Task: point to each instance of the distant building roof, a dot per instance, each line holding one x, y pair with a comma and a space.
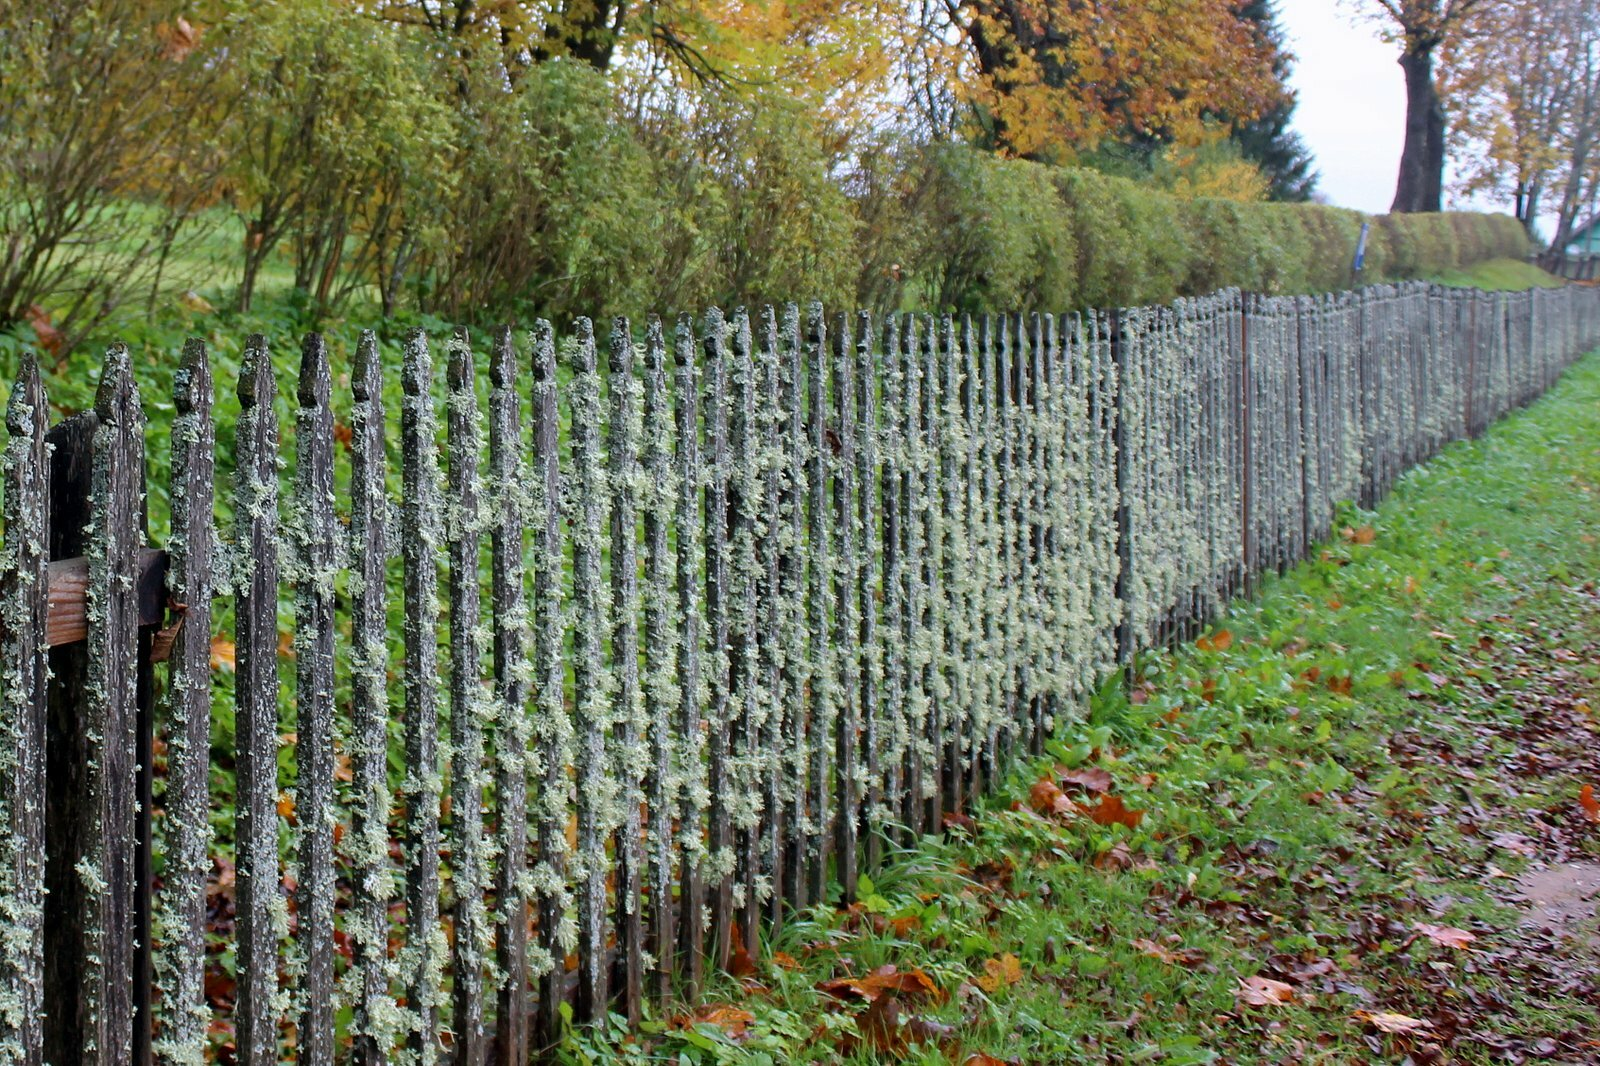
1584, 231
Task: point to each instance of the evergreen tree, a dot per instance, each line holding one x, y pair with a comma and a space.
1268, 141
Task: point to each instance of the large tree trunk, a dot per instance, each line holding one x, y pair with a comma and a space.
1421, 184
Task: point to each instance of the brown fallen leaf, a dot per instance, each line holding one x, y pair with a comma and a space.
908, 984
1263, 992
1444, 935
1180, 957
1398, 1024
1089, 778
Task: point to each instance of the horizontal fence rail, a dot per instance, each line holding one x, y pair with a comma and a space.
564, 670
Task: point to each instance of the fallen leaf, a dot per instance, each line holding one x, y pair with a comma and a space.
1444, 935
1590, 805
1398, 1024
1046, 798
1180, 957
1000, 972
1090, 778
740, 964
785, 961
1263, 992
1110, 810
911, 984
734, 1021
1221, 640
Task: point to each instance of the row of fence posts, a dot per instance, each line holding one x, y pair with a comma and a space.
766, 597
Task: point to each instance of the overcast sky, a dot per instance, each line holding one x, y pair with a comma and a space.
1352, 102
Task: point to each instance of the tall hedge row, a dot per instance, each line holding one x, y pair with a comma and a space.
1015, 233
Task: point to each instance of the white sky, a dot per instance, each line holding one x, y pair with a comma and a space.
1352, 102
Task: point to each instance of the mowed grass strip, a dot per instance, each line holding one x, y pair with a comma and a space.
1295, 841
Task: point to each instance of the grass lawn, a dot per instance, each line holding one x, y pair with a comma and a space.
1514, 275
1327, 811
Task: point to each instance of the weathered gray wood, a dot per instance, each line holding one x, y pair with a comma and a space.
111, 707
597, 787
869, 588
719, 826
552, 734
630, 755
748, 699
469, 710
24, 669
512, 677
423, 957
791, 579
772, 535
823, 704
312, 579
913, 543
893, 730
181, 904
841, 455
936, 666
255, 587
662, 697
692, 780
375, 1024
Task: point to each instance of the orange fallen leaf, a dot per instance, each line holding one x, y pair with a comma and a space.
1445, 935
1110, 810
1263, 992
1046, 798
1000, 972
785, 961
1590, 805
1363, 535
734, 1021
1342, 686
1221, 640
285, 806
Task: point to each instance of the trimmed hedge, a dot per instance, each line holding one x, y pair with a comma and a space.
1015, 233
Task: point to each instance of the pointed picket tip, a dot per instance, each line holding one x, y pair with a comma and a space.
683, 347
26, 413
621, 351
654, 344
503, 359
416, 364
191, 385
256, 381
544, 352
583, 334
366, 377
116, 401
316, 381
459, 370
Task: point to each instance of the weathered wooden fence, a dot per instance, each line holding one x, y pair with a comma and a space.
749, 598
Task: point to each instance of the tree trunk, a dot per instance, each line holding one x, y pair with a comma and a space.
1421, 183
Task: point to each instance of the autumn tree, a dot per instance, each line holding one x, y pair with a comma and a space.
1053, 78
1422, 29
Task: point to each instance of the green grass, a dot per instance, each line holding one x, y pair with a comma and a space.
1387, 725
1512, 275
